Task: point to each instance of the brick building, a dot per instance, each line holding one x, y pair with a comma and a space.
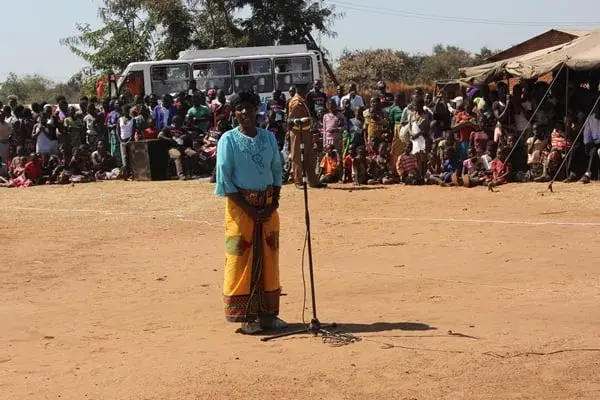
553, 37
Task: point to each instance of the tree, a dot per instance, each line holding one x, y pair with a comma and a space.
285, 22
370, 66
444, 63
32, 88
175, 23
219, 27
125, 37
138, 30
483, 55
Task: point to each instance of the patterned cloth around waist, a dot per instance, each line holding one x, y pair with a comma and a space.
254, 197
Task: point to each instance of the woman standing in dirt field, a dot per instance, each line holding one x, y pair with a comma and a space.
249, 177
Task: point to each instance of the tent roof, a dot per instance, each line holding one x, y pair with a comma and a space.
582, 53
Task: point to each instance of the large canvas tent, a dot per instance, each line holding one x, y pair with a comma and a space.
581, 54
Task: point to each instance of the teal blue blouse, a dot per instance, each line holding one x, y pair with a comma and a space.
247, 163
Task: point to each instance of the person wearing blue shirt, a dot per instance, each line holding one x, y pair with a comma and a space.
339, 94
163, 114
249, 176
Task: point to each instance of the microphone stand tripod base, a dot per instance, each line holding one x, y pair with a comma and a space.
315, 327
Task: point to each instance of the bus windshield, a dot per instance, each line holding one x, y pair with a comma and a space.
213, 75
170, 79
254, 75
292, 71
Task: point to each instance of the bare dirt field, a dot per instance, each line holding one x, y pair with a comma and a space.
113, 291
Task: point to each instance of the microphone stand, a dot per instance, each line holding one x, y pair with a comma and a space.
315, 326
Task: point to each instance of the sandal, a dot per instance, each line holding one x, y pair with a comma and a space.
250, 328
272, 323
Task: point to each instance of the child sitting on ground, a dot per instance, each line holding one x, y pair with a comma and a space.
79, 169
500, 169
347, 173
449, 169
536, 152
474, 171
379, 169
559, 146
27, 175
407, 166
330, 168
360, 164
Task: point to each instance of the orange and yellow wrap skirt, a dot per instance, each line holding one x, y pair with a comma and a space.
251, 286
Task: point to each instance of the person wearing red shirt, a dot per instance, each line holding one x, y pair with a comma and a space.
500, 170
465, 123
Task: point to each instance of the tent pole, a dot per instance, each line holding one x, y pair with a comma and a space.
534, 113
566, 157
567, 93
509, 92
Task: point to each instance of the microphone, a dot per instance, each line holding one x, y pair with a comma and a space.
301, 121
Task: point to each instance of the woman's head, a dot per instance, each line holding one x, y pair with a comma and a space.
245, 106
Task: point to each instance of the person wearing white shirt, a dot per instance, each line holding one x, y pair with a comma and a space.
354, 98
591, 140
125, 133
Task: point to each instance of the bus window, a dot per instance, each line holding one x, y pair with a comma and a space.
170, 79
253, 74
213, 75
133, 84
293, 71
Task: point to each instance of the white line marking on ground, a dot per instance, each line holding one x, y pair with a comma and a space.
483, 221
146, 214
183, 219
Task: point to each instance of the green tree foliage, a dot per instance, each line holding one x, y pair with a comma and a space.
125, 36
370, 66
285, 22
32, 88
137, 30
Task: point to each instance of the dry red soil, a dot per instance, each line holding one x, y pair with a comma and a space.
113, 291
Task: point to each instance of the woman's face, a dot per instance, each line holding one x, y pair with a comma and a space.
245, 113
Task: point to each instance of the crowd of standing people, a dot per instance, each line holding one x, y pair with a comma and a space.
479, 136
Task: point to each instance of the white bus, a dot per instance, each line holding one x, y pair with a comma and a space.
264, 69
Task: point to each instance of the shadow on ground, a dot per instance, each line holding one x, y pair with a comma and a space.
356, 188
366, 328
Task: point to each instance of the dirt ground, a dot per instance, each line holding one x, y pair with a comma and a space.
113, 291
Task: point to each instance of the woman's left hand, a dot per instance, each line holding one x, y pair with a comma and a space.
266, 213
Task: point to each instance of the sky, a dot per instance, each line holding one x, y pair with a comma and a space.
33, 46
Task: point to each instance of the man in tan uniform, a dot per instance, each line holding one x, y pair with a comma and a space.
299, 109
